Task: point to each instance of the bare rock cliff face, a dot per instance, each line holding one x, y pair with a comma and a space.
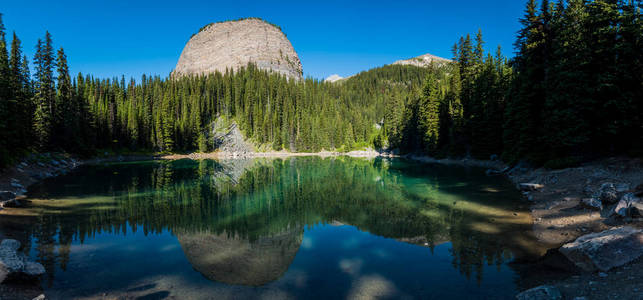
234, 44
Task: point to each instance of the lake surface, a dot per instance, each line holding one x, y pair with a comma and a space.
305, 227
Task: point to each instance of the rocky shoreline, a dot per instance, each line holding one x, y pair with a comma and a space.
591, 219
592, 215
15, 180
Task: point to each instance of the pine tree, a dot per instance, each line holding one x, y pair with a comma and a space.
429, 114
523, 125
566, 127
66, 120
19, 120
5, 94
602, 26
629, 79
44, 93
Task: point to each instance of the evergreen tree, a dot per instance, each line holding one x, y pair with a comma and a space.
5, 94
523, 125
566, 126
45, 93
429, 114
66, 120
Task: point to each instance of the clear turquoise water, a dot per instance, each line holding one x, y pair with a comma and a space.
307, 228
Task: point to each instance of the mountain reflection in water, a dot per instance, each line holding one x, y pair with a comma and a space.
262, 223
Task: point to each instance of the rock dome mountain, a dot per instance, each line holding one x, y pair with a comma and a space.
234, 44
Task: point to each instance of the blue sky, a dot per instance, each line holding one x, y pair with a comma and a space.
110, 38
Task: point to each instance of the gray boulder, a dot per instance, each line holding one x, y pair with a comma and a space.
16, 264
621, 209
605, 250
543, 292
607, 193
629, 206
530, 186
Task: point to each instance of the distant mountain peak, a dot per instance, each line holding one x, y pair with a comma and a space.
333, 78
423, 60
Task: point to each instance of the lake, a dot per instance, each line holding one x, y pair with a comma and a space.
304, 227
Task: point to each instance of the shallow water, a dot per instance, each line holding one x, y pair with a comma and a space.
305, 227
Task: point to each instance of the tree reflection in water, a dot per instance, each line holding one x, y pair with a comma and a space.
242, 221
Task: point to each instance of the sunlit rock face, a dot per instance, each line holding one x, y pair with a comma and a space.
239, 261
234, 44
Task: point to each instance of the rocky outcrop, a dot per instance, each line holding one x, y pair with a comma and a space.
234, 44
423, 61
543, 292
227, 138
605, 250
14, 265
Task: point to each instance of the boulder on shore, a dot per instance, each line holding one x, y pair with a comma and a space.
527, 187
605, 250
543, 292
607, 193
14, 264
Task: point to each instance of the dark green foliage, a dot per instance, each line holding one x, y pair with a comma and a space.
430, 113
5, 95
45, 93
16, 109
572, 92
577, 90
524, 111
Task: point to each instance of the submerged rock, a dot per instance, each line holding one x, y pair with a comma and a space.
605, 250
14, 264
543, 292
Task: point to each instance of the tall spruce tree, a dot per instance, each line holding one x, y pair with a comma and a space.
66, 120
523, 125
566, 125
429, 113
5, 95
45, 92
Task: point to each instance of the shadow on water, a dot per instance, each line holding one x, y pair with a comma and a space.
247, 223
